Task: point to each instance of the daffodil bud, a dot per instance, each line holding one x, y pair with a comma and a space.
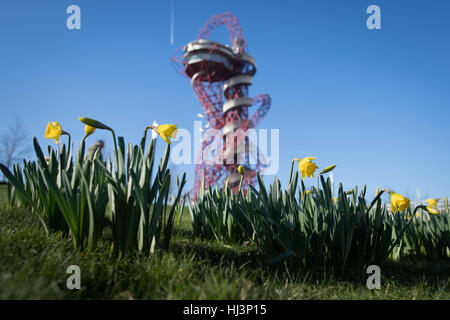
94, 123
327, 169
241, 170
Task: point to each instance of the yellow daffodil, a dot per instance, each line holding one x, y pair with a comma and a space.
429, 209
88, 130
432, 210
47, 160
166, 131
307, 167
335, 200
433, 202
241, 170
53, 131
398, 202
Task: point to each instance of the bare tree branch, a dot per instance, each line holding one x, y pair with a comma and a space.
14, 143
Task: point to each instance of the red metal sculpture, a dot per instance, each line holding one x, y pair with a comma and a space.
224, 71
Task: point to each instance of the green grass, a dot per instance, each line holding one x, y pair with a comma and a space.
2, 194
33, 266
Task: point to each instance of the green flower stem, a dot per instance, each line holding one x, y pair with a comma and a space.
115, 147
67, 134
292, 168
114, 139
70, 141
403, 230
144, 138
240, 184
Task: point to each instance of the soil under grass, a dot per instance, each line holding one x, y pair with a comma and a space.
33, 266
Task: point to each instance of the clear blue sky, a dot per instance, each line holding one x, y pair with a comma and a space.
374, 102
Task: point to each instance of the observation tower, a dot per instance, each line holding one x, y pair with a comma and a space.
221, 76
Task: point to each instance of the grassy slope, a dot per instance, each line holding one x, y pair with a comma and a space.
33, 266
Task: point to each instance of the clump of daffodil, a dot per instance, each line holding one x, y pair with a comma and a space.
401, 203
398, 202
54, 131
165, 131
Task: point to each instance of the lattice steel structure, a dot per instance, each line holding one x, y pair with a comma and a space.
220, 71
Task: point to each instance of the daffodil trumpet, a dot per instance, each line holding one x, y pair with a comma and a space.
307, 167
54, 131
398, 202
165, 131
433, 202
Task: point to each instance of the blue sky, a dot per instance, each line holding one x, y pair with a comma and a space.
374, 102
